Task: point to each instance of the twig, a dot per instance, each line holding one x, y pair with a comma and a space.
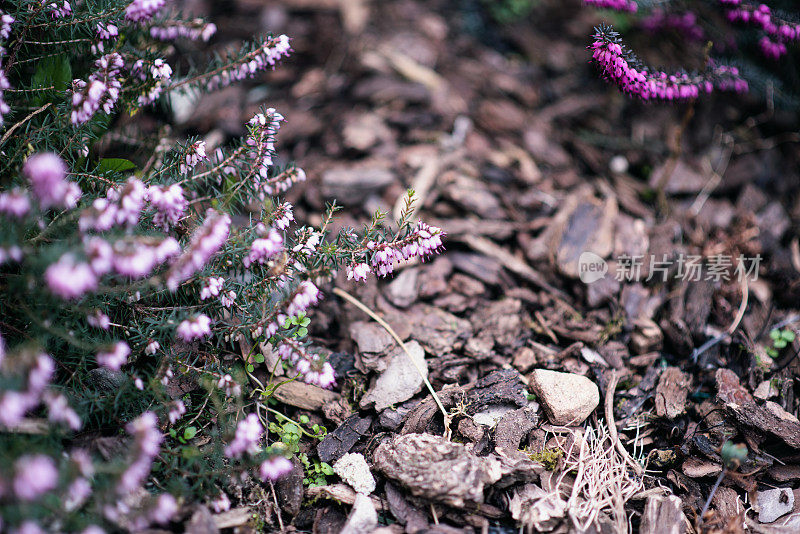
612, 426
361, 306
731, 329
23, 121
277, 506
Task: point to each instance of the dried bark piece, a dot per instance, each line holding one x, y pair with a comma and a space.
767, 418
339, 442
536, 508
437, 330
406, 513
305, 396
589, 228
514, 427
671, 393
400, 381
436, 469
663, 515
289, 489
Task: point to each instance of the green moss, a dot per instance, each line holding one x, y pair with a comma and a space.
547, 457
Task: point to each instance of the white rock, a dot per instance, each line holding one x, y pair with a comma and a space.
363, 518
400, 381
567, 399
492, 415
353, 469
774, 503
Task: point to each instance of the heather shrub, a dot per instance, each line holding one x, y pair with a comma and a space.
124, 279
732, 45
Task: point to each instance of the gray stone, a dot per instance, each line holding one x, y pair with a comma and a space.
774, 503
353, 469
363, 518
567, 399
401, 380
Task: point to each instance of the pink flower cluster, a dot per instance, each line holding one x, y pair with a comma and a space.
146, 444
98, 319
193, 30
423, 241
120, 206
68, 278
195, 154
137, 257
227, 384
283, 216
283, 181
778, 32
617, 5
685, 23
205, 242
305, 296
115, 356
176, 411
619, 66
358, 271
160, 73
274, 468
261, 143
15, 203
143, 10
169, 203
105, 32
101, 91
263, 57
197, 327
211, 288
247, 438
47, 174
60, 9
264, 248
34, 476
311, 368
6, 21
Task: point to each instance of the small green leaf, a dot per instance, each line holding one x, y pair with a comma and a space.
788, 335
259, 358
287, 323
775, 334
780, 343
250, 368
302, 331
733, 455
114, 165
304, 419
325, 468
189, 432
172, 432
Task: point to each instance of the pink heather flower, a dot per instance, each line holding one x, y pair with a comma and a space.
192, 30
60, 9
93, 529
104, 32
205, 242
6, 21
28, 527
212, 288
283, 216
114, 358
147, 442
304, 297
195, 154
15, 203
771, 49
12, 253
152, 347
77, 493
14, 405
227, 299
169, 203
159, 72
195, 328
98, 319
247, 437
137, 258
138, 383
101, 91
100, 255
221, 504
311, 368
33, 476
69, 279
47, 174
176, 410
131, 202
260, 59
40, 374
2, 349
264, 248
274, 468
142, 10
358, 271
227, 384
164, 509
59, 411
